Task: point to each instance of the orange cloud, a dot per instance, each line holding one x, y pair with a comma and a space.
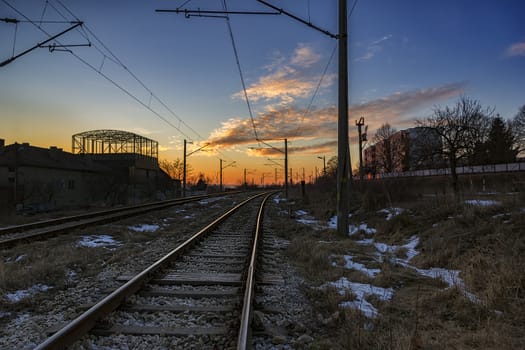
318, 148
321, 123
285, 83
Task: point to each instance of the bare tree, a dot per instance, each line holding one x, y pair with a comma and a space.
385, 158
518, 129
174, 169
462, 128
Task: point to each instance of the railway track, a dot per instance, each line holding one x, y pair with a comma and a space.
13, 235
198, 296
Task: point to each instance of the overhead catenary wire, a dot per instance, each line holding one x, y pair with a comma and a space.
133, 75
88, 34
316, 91
240, 71
109, 79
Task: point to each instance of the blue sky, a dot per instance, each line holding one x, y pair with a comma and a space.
405, 58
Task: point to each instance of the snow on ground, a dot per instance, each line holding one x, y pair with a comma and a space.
352, 265
144, 228
410, 249
451, 277
363, 227
209, 200
391, 212
361, 291
15, 297
482, 203
304, 218
19, 258
98, 241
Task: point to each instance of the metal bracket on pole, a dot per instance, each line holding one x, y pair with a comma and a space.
42, 44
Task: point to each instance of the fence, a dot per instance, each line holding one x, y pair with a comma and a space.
478, 169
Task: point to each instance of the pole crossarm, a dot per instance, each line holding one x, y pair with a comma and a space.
39, 45
211, 13
278, 11
198, 149
228, 165
308, 23
274, 163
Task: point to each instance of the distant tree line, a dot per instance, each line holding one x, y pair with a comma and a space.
470, 135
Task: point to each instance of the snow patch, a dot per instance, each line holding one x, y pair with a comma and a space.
98, 241
361, 291
352, 265
482, 203
353, 229
306, 219
209, 200
19, 295
391, 212
144, 228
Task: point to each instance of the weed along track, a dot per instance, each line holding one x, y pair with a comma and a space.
198, 296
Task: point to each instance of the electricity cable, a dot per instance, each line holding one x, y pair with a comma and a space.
116, 60
102, 74
240, 71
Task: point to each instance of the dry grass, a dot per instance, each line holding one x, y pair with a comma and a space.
486, 244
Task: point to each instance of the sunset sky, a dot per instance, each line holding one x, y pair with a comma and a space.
406, 57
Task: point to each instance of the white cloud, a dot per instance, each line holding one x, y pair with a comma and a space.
516, 49
373, 48
287, 79
304, 56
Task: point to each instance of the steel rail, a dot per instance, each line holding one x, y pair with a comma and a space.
50, 222
247, 308
86, 321
84, 220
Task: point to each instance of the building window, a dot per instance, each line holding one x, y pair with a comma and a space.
71, 184
11, 179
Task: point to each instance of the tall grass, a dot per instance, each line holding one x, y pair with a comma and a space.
485, 243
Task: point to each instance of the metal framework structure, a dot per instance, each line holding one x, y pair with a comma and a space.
106, 142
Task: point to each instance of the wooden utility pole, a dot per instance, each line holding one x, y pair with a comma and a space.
184, 172
286, 168
343, 151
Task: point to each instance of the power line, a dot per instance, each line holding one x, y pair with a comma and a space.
119, 62
240, 70
314, 95
308, 109
114, 59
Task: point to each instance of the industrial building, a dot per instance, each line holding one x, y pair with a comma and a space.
105, 168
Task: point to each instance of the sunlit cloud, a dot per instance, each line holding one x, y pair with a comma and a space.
516, 49
321, 123
316, 148
143, 131
304, 56
164, 148
287, 79
374, 48
395, 109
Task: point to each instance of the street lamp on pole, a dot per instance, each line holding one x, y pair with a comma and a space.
223, 167
362, 137
247, 172
184, 164
324, 163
